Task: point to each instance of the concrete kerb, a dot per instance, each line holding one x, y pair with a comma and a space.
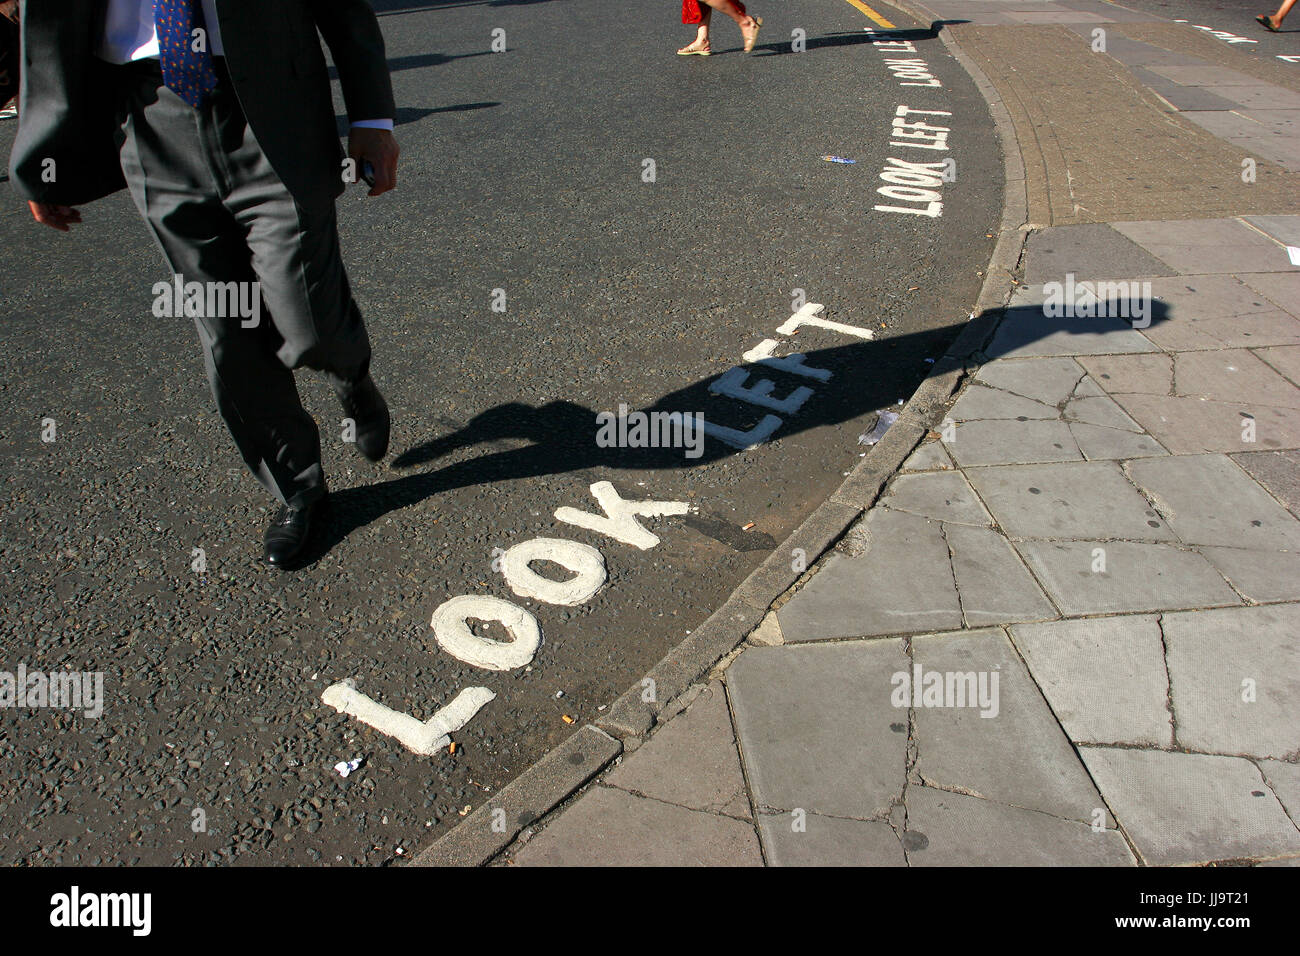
573, 764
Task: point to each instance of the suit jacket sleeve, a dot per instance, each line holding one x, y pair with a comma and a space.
351, 31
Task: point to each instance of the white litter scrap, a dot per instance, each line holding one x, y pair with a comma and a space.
885, 419
1293, 253
345, 767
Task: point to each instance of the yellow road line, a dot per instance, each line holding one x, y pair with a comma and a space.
871, 13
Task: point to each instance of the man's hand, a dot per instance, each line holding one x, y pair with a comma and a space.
379, 146
56, 217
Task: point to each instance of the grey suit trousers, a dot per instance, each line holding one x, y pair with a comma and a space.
221, 214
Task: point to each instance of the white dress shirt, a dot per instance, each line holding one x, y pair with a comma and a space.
131, 34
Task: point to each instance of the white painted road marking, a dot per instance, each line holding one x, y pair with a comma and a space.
619, 522
586, 563
450, 623
423, 738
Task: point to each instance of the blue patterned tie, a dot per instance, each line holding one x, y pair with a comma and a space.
189, 74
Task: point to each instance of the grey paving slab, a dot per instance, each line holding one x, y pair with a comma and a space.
1282, 123
1212, 312
1213, 655
1191, 808
902, 583
1047, 380
999, 442
1099, 410
1206, 75
1261, 97
1187, 425
1056, 16
609, 827
1233, 375
943, 495
1284, 359
1284, 779
1027, 331
1138, 577
1281, 288
817, 728
1204, 246
1099, 443
828, 841
691, 761
979, 401
1183, 97
1145, 374
1285, 229
929, 456
993, 583
1278, 472
1259, 575
1233, 126
1018, 754
1087, 499
1136, 53
1095, 250
1104, 677
952, 829
1208, 499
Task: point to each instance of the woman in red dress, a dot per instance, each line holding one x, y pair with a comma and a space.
700, 11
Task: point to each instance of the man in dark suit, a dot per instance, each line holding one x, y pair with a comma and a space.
217, 116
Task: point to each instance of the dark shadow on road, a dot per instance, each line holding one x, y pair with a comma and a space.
561, 436
410, 114
848, 39
418, 61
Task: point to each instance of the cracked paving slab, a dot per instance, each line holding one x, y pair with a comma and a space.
902, 583
960, 830
691, 761
1110, 577
1208, 499
1192, 808
1067, 500
943, 496
610, 827
1018, 755
1105, 678
812, 839
1235, 679
817, 728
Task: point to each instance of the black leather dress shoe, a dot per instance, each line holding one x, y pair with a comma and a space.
366, 407
290, 531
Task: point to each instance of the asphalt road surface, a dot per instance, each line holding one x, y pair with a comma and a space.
523, 171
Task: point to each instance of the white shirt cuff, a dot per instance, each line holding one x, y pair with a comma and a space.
374, 124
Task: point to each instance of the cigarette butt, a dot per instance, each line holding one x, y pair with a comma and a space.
452, 748
566, 718
747, 527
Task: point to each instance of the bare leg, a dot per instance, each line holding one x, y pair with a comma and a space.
729, 8
748, 24
701, 42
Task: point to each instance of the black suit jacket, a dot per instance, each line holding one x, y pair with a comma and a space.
68, 103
